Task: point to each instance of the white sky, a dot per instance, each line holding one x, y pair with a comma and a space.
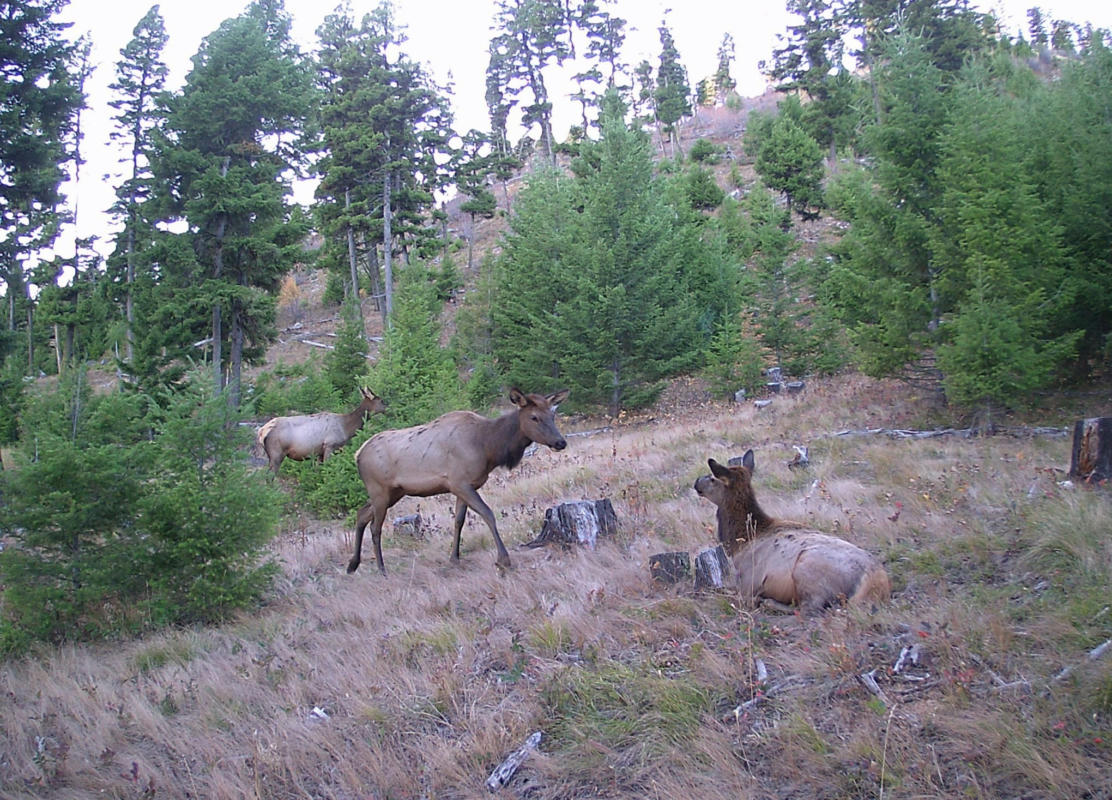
450, 38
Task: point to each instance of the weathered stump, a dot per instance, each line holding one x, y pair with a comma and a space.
409, 525
581, 522
712, 565
670, 567
1091, 456
800, 459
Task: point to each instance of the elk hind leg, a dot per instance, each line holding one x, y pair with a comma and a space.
461, 515
365, 515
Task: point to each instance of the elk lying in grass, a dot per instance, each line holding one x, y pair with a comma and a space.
783, 562
453, 453
317, 435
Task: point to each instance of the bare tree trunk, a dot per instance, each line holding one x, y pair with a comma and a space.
30, 337
352, 263
235, 358
129, 302
471, 243
58, 348
387, 246
218, 270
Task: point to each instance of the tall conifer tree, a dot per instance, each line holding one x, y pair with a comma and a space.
38, 105
231, 136
140, 78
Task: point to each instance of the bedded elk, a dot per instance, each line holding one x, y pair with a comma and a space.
782, 562
317, 435
453, 453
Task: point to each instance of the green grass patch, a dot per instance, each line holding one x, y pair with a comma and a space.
622, 714
159, 655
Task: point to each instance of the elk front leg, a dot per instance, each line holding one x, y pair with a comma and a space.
471, 497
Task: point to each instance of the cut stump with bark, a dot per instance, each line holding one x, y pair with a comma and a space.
670, 567
581, 522
1091, 455
410, 525
712, 565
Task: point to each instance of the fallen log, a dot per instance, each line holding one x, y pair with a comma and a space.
504, 772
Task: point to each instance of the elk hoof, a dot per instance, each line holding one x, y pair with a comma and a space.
353, 565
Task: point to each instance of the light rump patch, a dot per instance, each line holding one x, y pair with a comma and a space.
454, 453
782, 561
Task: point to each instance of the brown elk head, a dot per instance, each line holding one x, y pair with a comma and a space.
536, 417
371, 403
731, 489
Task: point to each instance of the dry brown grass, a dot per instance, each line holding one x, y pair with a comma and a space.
418, 684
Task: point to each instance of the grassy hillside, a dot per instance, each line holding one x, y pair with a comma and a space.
418, 684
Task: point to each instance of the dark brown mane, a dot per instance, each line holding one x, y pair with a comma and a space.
740, 517
508, 445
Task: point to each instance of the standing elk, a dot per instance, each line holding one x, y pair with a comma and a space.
317, 435
453, 453
784, 563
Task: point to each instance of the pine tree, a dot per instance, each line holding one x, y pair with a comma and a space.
790, 161
473, 169
672, 94
346, 363
529, 36
38, 107
386, 124
140, 78
602, 285
724, 83
229, 138
413, 370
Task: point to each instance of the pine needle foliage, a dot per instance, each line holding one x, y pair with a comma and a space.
606, 284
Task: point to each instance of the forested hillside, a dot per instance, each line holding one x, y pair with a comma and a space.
914, 220
913, 223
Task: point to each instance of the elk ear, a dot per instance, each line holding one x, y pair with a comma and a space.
554, 400
748, 461
518, 398
717, 470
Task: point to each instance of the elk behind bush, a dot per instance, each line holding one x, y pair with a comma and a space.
453, 453
782, 561
316, 435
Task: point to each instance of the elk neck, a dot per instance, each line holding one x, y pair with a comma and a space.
505, 443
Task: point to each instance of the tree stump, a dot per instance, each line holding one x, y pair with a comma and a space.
712, 565
409, 525
580, 522
670, 567
1091, 456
